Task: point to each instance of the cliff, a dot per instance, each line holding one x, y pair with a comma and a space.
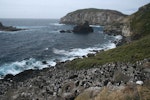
93, 16
137, 25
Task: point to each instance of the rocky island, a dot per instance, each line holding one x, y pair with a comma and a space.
82, 28
122, 73
8, 28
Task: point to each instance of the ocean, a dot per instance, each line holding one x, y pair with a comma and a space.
42, 41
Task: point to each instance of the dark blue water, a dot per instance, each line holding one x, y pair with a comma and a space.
42, 41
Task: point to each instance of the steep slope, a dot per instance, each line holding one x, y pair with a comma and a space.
93, 16
138, 24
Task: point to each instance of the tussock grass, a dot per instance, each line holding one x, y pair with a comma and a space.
128, 93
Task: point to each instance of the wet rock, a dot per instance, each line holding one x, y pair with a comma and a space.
65, 31
62, 31
44, 62
8, 77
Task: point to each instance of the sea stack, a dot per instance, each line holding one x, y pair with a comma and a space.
83, 28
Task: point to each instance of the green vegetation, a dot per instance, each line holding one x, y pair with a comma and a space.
140, 22
132, 52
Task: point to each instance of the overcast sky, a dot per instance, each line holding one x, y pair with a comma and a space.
59, 8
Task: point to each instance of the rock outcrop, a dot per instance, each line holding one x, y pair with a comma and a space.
8, 28
83, 28
93, 16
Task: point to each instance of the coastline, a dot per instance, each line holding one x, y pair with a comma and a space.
122, 73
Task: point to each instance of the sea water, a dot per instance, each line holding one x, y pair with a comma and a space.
42, 41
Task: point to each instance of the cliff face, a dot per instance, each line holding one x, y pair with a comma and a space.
93, 16
134, 26
137, 25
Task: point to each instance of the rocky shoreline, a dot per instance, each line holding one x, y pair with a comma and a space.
9, 28
61, 83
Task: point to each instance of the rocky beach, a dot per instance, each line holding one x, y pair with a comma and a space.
60, 83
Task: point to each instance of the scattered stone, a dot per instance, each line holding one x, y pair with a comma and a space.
73, 76
59, 83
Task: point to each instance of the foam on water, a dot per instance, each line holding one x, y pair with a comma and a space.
17, 67
95, 26
79, 52
57, 24
118, 37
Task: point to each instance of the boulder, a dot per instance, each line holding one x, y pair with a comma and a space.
83, 28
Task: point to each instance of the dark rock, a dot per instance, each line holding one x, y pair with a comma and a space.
65, 31
83, 28
73, 76
44, 62
8, 28
91, 55
62, 31
8, 77
1, 25
27, 74
105, 82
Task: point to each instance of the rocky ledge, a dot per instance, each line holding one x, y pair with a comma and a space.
8, 28
60, 83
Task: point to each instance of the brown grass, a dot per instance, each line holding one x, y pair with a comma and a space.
128, 93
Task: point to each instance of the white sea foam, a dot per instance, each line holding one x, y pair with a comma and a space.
79, 53
95, 26
17, 67
118, 37
57, 24
46, 49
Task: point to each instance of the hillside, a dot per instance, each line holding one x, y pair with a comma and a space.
93, 16
140, 21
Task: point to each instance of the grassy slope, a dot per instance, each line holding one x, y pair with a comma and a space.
132, 52
140, 22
